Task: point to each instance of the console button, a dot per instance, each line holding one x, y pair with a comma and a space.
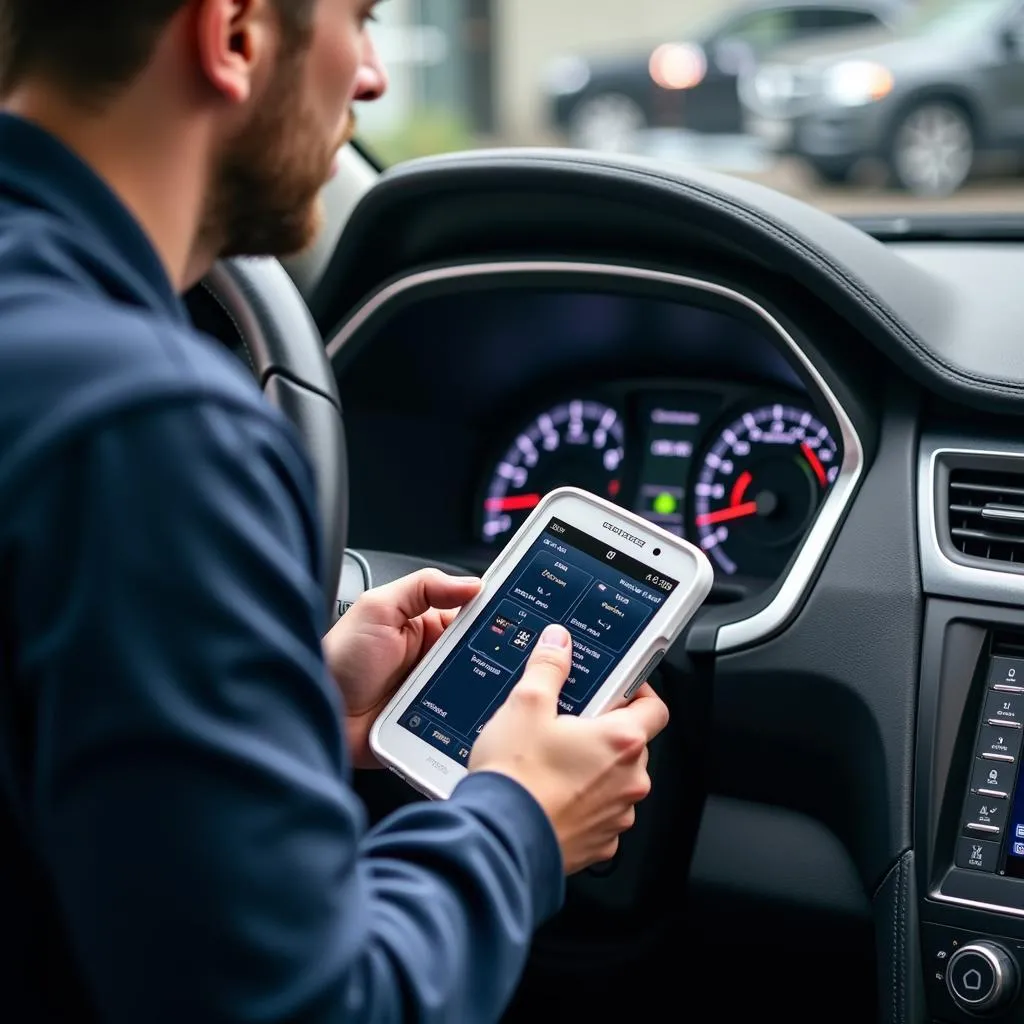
1004, 708
987, 811
982, 977
977, 854
992, 778
1006, 672
971, 976
979, 831
1000, 744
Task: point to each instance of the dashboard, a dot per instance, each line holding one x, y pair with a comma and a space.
838, 803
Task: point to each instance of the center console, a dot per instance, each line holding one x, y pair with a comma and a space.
993, 814
970, 812
968, 851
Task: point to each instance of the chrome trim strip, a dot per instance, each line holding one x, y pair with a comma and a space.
783, 607
939, 573
364, 565
1003, 513
962, 901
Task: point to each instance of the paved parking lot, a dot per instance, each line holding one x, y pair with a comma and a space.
991, 194
994, 192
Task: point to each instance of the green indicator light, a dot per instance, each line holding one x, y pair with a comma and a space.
665, 504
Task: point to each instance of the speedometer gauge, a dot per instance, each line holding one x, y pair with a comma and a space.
759, 486
579, 443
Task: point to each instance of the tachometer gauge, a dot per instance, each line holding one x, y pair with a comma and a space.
579, 443
759, 486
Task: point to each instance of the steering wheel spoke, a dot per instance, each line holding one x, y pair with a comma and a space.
286, 353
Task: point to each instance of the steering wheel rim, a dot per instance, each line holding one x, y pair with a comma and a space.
286, 353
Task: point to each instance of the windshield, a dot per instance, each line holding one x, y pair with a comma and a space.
934, 17
861, 107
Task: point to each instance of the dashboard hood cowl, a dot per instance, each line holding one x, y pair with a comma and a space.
960, 341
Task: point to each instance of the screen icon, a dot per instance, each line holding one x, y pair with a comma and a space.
1018, 849
1020, 831
522, 639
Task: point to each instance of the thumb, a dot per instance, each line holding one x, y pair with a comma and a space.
412, 595
547, 669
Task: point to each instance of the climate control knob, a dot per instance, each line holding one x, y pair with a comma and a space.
982, 977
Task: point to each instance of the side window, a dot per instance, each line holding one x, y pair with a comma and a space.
1013, 35
829, 19
762, 30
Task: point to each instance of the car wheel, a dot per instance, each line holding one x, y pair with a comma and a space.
609, 122
932, 151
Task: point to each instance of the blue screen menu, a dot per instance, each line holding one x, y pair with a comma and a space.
602, 595
1015, 831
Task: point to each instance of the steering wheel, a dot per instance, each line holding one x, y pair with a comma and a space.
257, 303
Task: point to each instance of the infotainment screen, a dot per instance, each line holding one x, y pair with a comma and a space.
603, 596
1015, 837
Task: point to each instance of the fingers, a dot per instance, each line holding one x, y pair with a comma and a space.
547, 669
645, 690
604, 853
647, 712
447, 616
429, 588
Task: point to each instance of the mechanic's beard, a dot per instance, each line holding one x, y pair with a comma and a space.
266, 194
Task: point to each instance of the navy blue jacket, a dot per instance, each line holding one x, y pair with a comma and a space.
179, 840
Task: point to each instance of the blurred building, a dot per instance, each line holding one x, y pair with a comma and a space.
483, 63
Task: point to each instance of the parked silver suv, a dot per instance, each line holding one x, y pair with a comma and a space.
948, 86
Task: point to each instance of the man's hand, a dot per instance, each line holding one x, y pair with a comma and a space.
379, 640
587, 774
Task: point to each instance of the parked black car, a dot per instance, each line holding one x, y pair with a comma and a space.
948, 86
602, 102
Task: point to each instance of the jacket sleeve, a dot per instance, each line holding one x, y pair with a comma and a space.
189, 789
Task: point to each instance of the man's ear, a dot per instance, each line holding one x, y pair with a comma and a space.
235, 38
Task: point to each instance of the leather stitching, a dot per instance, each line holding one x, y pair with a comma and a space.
902, 959
895, 930
238, 329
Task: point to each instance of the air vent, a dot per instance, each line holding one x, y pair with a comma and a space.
986, 514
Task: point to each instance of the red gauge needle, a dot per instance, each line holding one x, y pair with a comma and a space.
723, 515
812, 457
739, 489
512, 503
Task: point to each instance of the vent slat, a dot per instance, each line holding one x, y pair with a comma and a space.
987, 535
987, 488
970, 490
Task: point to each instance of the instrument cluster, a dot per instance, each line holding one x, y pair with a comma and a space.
739, 471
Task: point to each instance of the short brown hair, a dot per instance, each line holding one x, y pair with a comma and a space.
94, 47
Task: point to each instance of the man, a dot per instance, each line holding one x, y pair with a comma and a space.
179, 841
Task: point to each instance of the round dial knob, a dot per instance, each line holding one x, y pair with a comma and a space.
982, 977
